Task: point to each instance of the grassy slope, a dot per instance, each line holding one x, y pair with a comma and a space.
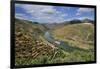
32, 48
81, 35
77, 35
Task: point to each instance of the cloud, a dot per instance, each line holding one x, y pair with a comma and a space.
41, 13
81, 18
84, 10
21, 16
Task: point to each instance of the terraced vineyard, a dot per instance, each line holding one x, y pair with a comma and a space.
31, 48
38, 52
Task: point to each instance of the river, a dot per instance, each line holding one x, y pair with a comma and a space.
61, 44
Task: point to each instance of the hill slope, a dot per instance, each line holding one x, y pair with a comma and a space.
32, 48
81, 35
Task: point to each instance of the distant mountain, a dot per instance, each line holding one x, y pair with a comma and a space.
75, 21
52, 25
79, 21
87, 21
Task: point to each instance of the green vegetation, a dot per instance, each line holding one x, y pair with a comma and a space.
32, 48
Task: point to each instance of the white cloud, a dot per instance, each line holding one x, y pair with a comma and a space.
81, 18
20, 16
84, 10
42, 13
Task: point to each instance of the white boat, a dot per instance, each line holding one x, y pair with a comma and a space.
57, 42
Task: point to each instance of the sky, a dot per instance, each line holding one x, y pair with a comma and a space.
52, 14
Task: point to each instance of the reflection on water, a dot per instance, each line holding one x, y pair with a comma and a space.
48, 37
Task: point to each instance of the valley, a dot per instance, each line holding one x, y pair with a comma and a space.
66, 42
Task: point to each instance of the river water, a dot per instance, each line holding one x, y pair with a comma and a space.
61, 44
58, 43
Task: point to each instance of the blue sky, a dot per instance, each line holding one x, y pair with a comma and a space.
51, 14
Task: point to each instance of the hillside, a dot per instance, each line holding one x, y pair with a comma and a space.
31, 46
81, 35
